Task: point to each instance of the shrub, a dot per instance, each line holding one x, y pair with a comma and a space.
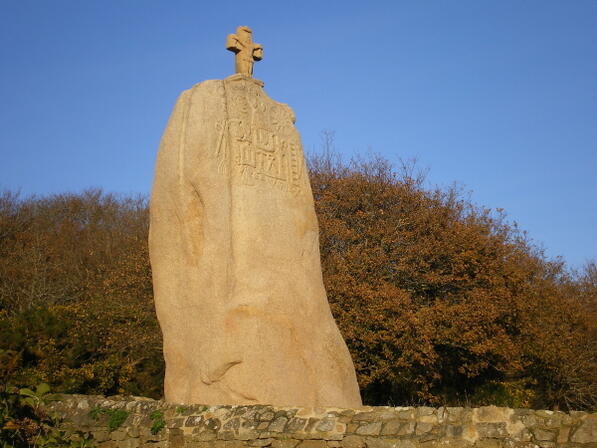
440, 301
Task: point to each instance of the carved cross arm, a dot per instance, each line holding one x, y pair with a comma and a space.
233, 44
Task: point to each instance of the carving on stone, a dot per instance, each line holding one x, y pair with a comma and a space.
234, 250
247, 52
256, 139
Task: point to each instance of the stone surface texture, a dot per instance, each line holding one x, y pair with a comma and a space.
291, 427
246, 51
234, 250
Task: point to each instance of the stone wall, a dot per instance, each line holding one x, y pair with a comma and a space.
139, 422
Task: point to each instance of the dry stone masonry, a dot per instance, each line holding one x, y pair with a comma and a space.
198, 426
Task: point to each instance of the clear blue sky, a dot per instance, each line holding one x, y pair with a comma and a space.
499, 96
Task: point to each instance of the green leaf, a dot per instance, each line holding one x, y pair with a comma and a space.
29, 401
117, 418
43, 389
157, 418
27, 392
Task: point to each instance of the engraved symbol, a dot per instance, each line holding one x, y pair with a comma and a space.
259, 154
257, 142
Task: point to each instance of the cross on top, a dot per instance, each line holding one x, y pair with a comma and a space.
246, 51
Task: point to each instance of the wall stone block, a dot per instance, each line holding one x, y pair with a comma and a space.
200, 426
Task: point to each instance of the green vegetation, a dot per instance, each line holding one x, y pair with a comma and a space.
157, 421
25, 424
116, 417
76, 307
440, 301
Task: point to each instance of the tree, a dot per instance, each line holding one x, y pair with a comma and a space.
444, 302
440, 301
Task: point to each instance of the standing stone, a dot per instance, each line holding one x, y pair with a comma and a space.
234, 249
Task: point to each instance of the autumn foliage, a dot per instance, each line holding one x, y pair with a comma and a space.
444, 302
440, 301
76, 304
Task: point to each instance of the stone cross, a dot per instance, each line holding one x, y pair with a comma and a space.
246, 51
